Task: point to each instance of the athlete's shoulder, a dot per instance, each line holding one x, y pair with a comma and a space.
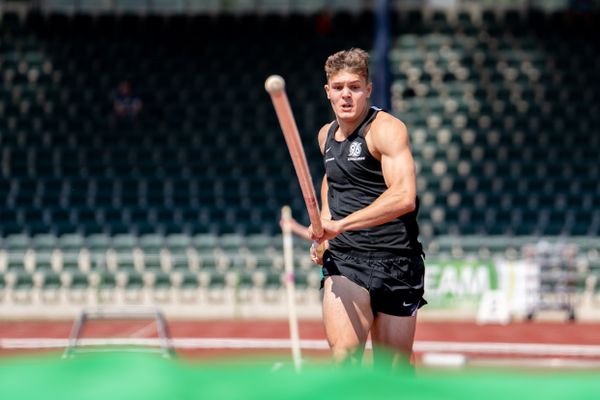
322, 137
386, 124
385, 119
325, 128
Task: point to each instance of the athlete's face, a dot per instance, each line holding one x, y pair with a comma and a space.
349, 94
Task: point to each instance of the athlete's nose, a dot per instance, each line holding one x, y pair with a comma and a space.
346, 92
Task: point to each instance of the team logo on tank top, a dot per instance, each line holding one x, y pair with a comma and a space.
355, 151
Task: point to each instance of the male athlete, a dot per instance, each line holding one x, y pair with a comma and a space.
373, 268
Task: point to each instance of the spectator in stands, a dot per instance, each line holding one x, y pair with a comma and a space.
373, 267
127, 105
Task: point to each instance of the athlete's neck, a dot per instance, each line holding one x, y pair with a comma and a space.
347, 127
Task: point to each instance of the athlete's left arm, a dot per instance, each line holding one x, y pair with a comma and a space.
390, 143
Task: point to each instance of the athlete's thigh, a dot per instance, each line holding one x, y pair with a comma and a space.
347, 311
394, 333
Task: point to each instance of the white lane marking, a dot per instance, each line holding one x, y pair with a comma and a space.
548, 349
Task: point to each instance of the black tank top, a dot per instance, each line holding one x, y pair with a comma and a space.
355, 180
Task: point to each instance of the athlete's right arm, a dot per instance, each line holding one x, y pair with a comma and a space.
325, 214
317, 253
322, 137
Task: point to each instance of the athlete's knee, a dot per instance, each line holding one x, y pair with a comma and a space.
346, 352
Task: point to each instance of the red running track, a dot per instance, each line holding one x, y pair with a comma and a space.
534, 332
552, 333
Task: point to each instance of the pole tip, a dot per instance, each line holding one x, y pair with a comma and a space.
274, 84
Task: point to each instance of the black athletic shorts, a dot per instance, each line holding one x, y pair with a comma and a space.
396, 284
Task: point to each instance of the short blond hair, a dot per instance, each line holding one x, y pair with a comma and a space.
354, 60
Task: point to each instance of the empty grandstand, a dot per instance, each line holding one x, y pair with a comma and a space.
181, 208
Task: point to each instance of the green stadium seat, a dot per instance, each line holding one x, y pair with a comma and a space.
99, 242
123, 242
258, 243
204, 243
17, 242
51, 281
23, 282
161, 280
72, 243
177, 242
70, 260
44, 242
16, 261
125, 260
151, 243
231, 243
44, 261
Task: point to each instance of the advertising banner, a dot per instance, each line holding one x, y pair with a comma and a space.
458, 283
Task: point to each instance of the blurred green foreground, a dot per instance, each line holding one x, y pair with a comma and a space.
114, 376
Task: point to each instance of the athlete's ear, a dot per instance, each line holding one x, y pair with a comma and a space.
326, 87
369, 89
